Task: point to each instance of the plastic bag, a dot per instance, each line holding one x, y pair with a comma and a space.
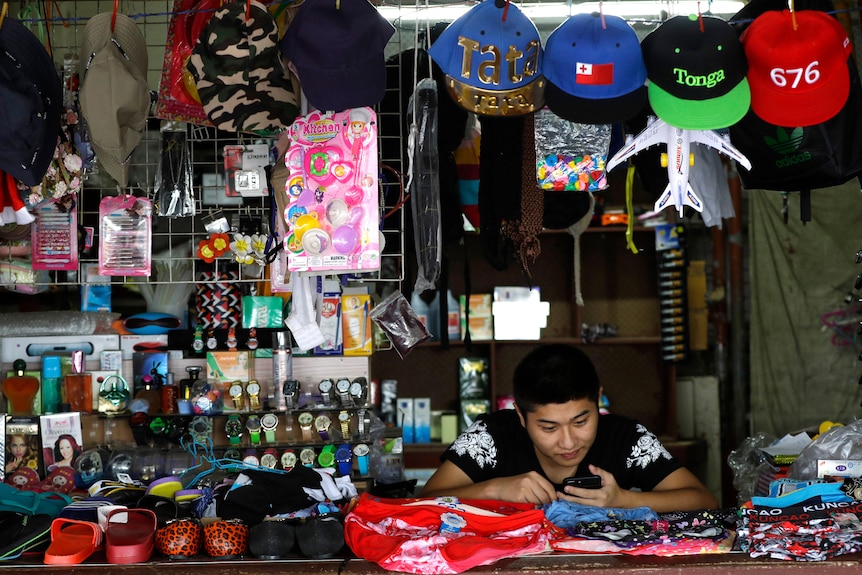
747, 462
397, 318
841, 442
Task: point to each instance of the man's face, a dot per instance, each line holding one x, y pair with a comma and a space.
562, 433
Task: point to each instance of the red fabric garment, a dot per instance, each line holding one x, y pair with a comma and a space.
410, 535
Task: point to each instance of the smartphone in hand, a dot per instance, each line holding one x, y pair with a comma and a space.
588, 482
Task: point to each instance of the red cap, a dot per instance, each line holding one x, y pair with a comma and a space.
797, 77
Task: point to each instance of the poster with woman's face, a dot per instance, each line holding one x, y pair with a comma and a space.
21, 450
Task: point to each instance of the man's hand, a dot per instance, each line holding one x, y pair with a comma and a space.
602, 497
529, 487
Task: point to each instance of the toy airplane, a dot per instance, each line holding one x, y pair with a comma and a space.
678, 159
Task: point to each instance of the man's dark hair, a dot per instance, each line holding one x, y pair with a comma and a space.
555, 373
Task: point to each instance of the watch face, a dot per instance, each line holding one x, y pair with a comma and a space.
343, 385
322, 422
360, 450
203, 404
268, 460
269, 421
200, 426
251, 460
253, 423
157, 425
291, 386
326, 459
342, 454
235, 390
325, 386
343, 416
305, 419
232, 454
306, 456
233, 426
288, 460
356, 389
253, 389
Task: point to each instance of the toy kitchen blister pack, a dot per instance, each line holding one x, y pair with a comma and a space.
332, 215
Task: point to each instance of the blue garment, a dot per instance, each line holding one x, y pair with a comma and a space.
566, 514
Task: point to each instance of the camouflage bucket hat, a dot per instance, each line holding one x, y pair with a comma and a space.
237, 68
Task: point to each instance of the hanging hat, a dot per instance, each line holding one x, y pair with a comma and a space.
31, 94
696, 69
595, 70
240, 79
115, 98
337, 48
812, 52
492, 58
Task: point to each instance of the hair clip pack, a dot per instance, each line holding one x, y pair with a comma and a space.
126, 232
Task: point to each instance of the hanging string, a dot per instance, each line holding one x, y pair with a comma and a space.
3, 11
114, 15
792, 15
699, 17
602, 16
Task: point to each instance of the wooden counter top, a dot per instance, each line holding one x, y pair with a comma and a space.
555, 563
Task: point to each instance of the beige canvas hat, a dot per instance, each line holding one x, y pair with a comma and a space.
115, 98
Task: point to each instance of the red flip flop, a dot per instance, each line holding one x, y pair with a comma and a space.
72, 541
130, 535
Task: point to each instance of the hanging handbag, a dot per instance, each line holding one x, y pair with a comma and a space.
114, 395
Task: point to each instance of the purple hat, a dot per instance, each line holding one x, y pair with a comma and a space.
337, 48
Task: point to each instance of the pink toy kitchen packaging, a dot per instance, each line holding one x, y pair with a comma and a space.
332, 216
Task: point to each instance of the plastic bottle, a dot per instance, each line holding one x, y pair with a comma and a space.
52, 384
20, 389
282, 366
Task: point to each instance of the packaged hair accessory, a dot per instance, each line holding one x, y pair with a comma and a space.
126, 236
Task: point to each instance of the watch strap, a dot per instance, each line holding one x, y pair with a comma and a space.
255, 436
270, 435
362, 462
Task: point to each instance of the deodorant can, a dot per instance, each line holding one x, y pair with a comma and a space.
282, 366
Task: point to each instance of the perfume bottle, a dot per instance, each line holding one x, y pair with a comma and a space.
78, 385
20, 389
52, 384
151, 393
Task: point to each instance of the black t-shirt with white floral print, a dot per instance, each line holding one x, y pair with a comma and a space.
497, 445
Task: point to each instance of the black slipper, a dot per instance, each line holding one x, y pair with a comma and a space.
320, 537
271, 539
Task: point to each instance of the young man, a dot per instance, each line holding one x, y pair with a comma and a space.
555, 432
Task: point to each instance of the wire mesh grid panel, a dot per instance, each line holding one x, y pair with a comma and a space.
60, 26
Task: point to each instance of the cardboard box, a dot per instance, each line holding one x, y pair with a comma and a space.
839, 468
404, 406
519, 313
61, 431
422, 420
481, 317
357, 334
31, 348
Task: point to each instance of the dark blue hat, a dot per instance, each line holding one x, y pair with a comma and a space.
595, 70
337, 48
492, 58
31, 94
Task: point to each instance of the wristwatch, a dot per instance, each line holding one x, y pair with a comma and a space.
288, 425
269, 458
363, 423
359, 390
252, 339
201, 428
288, 460
361, 453
138, 423
344, 459
322, 423
253, 425
306, 457
269, 423
327, 456
290, 389
344, 420
250, 457
233, 428
325, 389
198, 343
342, 386
159, 428
176, 429
305, 420
232, 453
236, 394
253, 389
